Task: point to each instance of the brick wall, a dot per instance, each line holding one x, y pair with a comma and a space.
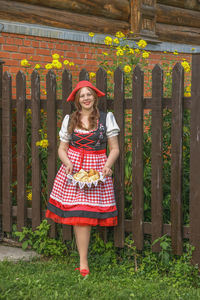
15, 47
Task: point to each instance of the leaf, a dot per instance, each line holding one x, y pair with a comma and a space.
25, 245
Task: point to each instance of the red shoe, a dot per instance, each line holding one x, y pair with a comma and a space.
84, 272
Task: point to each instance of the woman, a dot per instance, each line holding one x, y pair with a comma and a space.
83, 137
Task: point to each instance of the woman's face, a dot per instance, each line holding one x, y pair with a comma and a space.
86, 99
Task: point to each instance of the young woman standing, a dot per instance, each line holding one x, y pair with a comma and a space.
84, 136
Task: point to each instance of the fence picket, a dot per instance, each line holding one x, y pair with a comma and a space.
6, 152
67, 109
101, 83
157, 157
119, 164
84, 75
36, 169
21, 150
52, 137
176, 158
137, 160
194, 160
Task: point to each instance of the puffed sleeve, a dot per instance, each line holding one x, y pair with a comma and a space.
64, 135
111, 125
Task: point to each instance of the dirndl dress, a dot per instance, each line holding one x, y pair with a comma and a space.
68, 204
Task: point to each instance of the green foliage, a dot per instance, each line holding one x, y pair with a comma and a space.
39, 240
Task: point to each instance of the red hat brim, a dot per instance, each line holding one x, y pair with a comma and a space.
82, 84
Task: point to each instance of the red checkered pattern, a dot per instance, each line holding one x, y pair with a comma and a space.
67, 194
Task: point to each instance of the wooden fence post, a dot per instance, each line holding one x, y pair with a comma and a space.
194, 160
119, 112
6, 152
157, 157
137, 160
67, 109
21, 150
1, 87
36, 168
52, 138
176, 158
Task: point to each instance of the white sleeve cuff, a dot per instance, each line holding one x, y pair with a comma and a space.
111, 125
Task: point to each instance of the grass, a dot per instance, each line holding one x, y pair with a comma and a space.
56, 279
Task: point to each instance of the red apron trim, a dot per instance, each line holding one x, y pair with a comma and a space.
83, 152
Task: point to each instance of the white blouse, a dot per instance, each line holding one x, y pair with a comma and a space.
111, 126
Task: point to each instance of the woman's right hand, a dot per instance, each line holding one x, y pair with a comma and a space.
69, 168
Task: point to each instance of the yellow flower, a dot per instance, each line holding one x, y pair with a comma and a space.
25, 63
108, 40
29, 196
37, 143
44, 143
92, 75
193, 49
110, 72
137, 51
145, 54
187, 94
66, 62
71, 64
165, 52
91, 34
175, 52
37, 66
55, 56
45, 135
119, 34
127, 69
188, 89
42, 110
28, 111
131, 51
168, 74
131, 31
48, 66
120, 52
105, 53
142, 43
44, 91
116, 41
186, 66
59, 65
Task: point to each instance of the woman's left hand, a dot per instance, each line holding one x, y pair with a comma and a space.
106, 171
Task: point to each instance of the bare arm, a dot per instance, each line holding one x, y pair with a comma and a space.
62, 153
113, 155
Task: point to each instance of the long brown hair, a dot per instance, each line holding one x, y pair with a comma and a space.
75, 118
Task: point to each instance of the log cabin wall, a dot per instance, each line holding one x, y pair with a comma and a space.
156, 20
178, 21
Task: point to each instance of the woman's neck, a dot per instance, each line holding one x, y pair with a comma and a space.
85, 112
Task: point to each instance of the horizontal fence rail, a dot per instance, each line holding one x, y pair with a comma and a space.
137, 105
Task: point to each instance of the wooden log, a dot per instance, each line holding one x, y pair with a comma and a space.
178, 34
22, 12
177, 16
188, 4
117, 9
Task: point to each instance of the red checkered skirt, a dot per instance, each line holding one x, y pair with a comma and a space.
68, 204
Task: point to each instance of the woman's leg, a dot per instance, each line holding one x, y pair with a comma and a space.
82, 234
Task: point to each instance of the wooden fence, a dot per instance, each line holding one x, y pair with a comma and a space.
137, 104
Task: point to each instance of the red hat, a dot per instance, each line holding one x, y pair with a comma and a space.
82, 84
